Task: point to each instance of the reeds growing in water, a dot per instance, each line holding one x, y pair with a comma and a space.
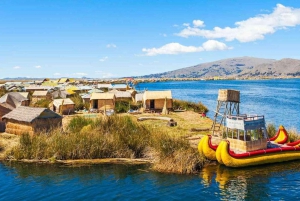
111, 137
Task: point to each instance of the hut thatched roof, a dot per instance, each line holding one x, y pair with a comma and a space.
40, 93
108, 86
64, 101
63, 80
37, 88
157, 95
119, 86
29, 114
139, 97
14, 99
121, 94
102, 96
24, 94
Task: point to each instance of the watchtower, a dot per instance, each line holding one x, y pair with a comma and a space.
228, 104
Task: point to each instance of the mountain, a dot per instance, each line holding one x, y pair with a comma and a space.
239, 67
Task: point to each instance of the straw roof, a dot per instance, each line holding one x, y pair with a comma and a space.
157, 95
121, 94
102, 96
14, 99
63, 80
35, 87
139, 97
24, 94
109, 86
95, 91
86, 96
40, 93
64, 101
120, 86
6, 106
29, 114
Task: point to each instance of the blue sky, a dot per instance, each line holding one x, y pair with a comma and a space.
117, 38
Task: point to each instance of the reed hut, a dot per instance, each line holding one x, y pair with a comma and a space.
14, 99
102, 101
156, 100
122, 95
104, 87
40, 95
31, 120
86, 98
63, 106
139, 98
120, 87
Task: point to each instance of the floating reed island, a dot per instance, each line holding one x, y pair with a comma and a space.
110, 137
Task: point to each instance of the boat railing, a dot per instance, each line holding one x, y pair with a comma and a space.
246, 117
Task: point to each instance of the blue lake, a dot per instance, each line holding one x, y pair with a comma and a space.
278, 100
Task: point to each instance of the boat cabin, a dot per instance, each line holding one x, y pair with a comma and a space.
246, 132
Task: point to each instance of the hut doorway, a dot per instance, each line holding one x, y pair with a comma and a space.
95, 104
152, 105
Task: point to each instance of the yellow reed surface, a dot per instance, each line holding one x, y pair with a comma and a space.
255, 160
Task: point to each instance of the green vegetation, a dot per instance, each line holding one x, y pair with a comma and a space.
42, 103
111, 137
3, 91
123, 106
79, 104
188, 105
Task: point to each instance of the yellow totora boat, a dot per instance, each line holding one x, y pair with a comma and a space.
251, 148
271, 155
206, 148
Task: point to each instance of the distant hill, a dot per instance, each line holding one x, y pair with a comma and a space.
238, 67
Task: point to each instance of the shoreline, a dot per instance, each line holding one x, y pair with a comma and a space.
84, 162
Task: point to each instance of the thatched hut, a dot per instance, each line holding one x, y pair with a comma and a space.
122, 95
63, 106
104, 87
102, 101
14, 99
155, 100
40, 95
27, 96
139, 98
31, 120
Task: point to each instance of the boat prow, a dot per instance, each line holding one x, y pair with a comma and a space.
206, 147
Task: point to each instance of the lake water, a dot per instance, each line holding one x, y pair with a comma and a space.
19, 181
278, 100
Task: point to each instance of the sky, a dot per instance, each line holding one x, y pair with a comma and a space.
122, 38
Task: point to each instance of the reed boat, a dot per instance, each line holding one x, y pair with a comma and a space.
274, 154
247, 146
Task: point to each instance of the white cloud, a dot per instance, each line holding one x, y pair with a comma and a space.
17, 67
111, 45
252, 29
186, 24
198, 23
56, 74
212, 45
103, 59
176, 48
38, 66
